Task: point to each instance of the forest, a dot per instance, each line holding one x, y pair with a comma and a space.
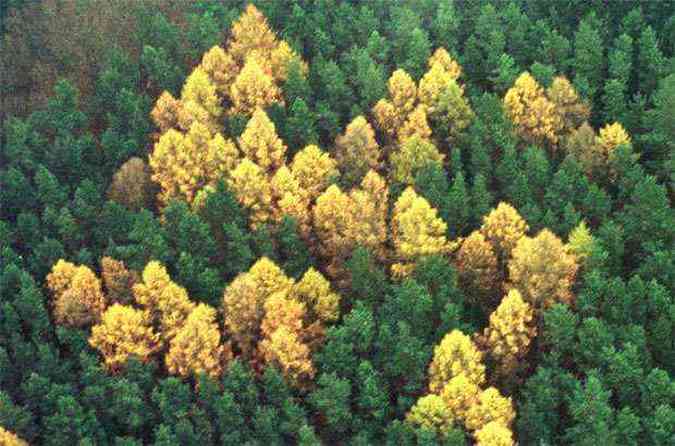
332, 222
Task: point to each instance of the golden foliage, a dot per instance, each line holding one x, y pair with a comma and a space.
184, 164
77, 298
433, 83
314, 170
200, 93
490, 407
494, 434
333, 220
260, 143
503, 227
253, 89
449, 65
221, 69
251, 34
118, 280
431, 413
357, 150
290, 199
165, 112
459, 394
282, 311
416, 125
124, 332
543, 270
452, 110
477, 266
413, 154
167, 303
416, 230
280, 59
131, 186
572, 111
391, 114
253, 190
610, 137
455, 355
196, 348
8, 438
371, 204
289, 354
269, 278
315, 292
533, 114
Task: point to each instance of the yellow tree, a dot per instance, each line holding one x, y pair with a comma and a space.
200, 101
124, 332
77, 297
251, 34
610, 137
322, 303
371, 206
391, 114
477, 268
416, 231
503, 227
8, 438
431, 413
184, 164
167, 303
280, 59
510, 333
494, 434
455, 355
413, 154
459, 395
287, 352
118, 280
416, 125
451, 112
357, 151
197, 348
281, 310
290, 199
253, 89
260, 143
253, 190
314, 169
542, 269
490, 407
221, 69
581, 242
166, 112
433, 83
572, 111
449, 65
532, 113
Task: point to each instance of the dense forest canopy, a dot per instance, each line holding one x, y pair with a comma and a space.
425, 222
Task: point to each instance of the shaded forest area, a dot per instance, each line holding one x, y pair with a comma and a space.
430, 222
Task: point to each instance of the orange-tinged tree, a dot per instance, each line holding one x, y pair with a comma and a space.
253, 88
253, 190
131, 185
77, 297
124, 332
533, 114
510, 332
572, 111
392, 113
459, 394
477, 268
357, 151
118, 280
455, 355
287, 352
490, 407
290, 199
269, 277
167, 302
371, 205
314, 170
251, 34
322, 303
166, 112
494, 434
282, 310
8, 438
416, 231
503, 227
260, 143
416, 125
221, 69
196, 348
543, 270
431, 413
412, 155
184, 164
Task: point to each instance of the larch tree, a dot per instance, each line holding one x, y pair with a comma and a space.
322, 303
451, 113
582, 243
131, 185
459, 394
411, 156
183, 164
199, 101
503, 227
260, 143
609, 138
124, 332
8, 438
251, 33
478, 269
433, 83
532, 113
281, 59
293, 357
445, 60
431, 413
392, 113
543, 270
416, 231
571, 109
314, 169
166, 112
118, 281
283, 310
290, 199
357, 151
582, 144
253, 89
196, 348
416, 125
221, 68
167, 302
494, 434
253, 190
371, 207
77, 297
510, 333
491, 406
455, 355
